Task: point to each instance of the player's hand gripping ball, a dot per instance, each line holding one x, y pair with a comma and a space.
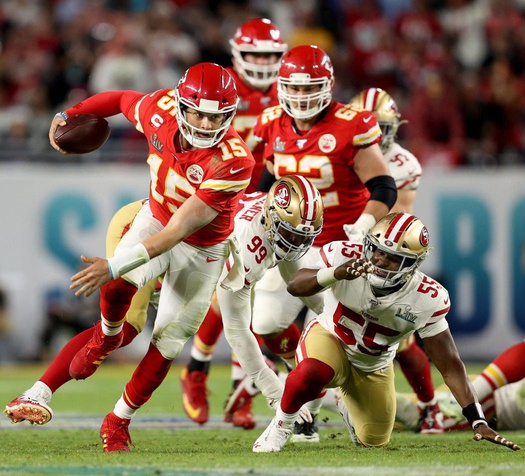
82, 133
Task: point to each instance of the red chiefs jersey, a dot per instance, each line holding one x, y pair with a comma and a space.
217, 175
324, 155
252, 103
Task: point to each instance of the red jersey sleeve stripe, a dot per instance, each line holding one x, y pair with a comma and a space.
441, 312
324, 258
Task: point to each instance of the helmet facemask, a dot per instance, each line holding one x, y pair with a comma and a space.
192, 133
389, 131
210, 90
304, 106
259, 76
287, 242
404, 239
292, 217
257, 36
384, 278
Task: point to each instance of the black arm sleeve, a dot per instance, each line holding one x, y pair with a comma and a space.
383, 189
266, 181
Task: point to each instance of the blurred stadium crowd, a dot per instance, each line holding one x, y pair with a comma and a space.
455, 67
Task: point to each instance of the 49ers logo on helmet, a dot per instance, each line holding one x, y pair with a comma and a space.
282, 195
423, 236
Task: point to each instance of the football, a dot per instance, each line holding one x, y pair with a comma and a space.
82, 133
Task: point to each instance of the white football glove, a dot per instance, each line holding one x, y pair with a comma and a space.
358, 230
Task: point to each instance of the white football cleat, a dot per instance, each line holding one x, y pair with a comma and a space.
33, 409
273, 438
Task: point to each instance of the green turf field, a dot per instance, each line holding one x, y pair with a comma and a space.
167, 443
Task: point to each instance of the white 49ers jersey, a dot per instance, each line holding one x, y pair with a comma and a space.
371, 327
404, 167
257, 254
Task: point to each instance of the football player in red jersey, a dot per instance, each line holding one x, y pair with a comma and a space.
199, 169
257, 48
375, 296
273, 229
334, 145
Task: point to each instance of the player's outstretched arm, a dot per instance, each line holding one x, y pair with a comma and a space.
308, 281
443, 352
188, 218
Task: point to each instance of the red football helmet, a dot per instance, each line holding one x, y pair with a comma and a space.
207, 88
305, 65
257, 36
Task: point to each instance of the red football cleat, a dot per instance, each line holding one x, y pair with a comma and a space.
245, 391
430, 419
115, 434
195, 395
242, 417
88, 359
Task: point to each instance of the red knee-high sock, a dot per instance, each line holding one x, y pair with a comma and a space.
129, 334
415, 366
510, 362
57, 374
115, 299
505, 368
205, 341
285, 343
305, 383
147, 377
211, 328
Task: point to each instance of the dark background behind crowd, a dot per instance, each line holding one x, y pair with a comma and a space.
455, 67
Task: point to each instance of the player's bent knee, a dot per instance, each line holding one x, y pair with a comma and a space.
170, 340
371, 440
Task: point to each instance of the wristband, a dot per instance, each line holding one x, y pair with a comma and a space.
63, 115
128, 260
326, 277
474, 414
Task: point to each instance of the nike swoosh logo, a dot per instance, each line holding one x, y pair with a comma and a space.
192, 412
367, 119
446, 301
246, 270
234, 171
330, 247
210, 260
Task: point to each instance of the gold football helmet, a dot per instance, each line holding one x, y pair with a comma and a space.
403, 236
292, 216
385, 109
